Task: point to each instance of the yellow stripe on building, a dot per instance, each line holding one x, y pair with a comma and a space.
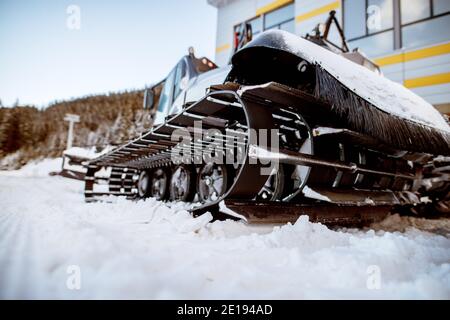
272, 6
223, 48
414, 55
428, 81
324, 9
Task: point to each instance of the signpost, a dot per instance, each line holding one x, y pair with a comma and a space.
71, 118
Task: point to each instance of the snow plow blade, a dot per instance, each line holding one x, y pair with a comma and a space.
327, 214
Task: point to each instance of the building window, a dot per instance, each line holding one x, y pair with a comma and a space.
414, 10
369, 25
256, 24
441, 6
288, 26
365, 17
421, 20
380, 26
376, 44
355, 18
379, 15
282, 18
426, 32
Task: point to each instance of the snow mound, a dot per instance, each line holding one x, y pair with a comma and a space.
35, 169
81, 152
397, 223
86, 153
153, 250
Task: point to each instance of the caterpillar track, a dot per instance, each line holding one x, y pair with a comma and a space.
271, 144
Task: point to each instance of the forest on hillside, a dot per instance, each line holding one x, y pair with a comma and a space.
28, 133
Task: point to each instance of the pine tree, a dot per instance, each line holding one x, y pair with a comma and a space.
105, 119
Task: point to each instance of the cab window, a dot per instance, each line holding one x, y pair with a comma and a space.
166, 95
180, 74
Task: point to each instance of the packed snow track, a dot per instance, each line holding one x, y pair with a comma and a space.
54, 245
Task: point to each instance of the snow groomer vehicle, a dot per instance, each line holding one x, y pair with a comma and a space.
292, 126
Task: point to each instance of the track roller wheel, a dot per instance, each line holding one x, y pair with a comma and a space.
159, 188
182, 184
143, 184
274, 187
212, 182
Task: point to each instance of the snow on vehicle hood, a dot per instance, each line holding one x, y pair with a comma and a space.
383, 93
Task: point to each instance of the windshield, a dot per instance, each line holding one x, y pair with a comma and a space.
166, 94
181, 73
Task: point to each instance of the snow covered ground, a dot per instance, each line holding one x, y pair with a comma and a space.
53, 245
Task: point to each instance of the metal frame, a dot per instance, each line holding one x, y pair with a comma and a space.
303, 159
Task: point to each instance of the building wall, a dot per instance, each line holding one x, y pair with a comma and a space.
227, 17
234, 13
423, 69
308, 13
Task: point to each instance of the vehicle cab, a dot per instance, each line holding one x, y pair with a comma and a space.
187, 82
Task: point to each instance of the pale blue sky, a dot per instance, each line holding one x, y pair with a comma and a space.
122, 44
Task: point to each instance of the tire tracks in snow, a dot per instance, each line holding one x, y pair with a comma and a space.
19, 258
